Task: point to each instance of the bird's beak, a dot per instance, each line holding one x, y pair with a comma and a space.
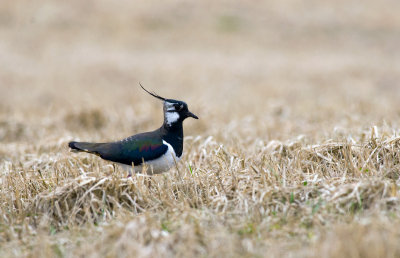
190, 114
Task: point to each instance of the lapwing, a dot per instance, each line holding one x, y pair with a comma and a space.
157, 150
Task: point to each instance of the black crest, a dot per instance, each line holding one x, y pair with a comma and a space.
152, 93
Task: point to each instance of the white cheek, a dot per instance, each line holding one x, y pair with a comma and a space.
171, 117
169, 106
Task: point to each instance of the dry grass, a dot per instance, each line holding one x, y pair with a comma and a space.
296, 152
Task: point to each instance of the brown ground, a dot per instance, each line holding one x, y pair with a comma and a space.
296, 152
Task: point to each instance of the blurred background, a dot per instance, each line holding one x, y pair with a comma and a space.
272, 69
277, 85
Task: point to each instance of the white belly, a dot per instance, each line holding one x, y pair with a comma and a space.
162, 164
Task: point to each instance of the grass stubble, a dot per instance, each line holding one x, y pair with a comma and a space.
296, 152
329, 199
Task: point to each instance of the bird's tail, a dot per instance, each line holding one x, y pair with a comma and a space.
84, 147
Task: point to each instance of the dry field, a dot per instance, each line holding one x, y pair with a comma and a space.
296, 153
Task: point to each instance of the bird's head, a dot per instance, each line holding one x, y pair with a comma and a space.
174, 110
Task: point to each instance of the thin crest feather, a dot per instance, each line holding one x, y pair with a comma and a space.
152, 93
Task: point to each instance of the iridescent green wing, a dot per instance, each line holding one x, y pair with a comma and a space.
135, 149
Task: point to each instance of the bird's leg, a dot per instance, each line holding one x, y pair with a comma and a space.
130, 170
147, 180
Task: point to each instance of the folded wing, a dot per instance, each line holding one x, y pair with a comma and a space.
134, 149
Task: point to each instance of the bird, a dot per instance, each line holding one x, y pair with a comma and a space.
156, 150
